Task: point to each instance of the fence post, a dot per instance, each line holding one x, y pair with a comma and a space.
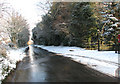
119, 48
115, 48
98, 40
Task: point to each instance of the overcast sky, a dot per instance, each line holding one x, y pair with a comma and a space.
28, 9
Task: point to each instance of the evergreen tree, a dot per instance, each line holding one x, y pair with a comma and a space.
82, 23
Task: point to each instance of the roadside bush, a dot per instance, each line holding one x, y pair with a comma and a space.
3, 51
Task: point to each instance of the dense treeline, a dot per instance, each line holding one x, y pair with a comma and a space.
71, 24
66, 24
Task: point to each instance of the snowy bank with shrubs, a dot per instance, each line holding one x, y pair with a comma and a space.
9, 60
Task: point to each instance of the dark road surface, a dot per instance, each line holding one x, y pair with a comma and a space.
49, 67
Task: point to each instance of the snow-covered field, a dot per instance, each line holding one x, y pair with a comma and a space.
103, 61
8, 63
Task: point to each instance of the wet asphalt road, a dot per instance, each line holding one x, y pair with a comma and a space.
50, 67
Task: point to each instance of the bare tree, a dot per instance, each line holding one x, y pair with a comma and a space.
3, 11
44, 6
16, 24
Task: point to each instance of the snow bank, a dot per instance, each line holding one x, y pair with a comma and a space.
103, 61
8, 63
16, 55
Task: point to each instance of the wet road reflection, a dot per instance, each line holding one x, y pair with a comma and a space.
42, 66
30, 70
31, 53
37, 72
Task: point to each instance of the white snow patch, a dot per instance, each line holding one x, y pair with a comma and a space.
103, 61
106, 21
16, 55
114, 25
111, 29
113, 18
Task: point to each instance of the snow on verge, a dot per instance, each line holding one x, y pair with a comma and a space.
103, 61
8, 63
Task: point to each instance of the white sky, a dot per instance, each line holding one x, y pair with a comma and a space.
28, 9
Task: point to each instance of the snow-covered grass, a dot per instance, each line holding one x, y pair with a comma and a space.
103, 61
8, 63
16, 55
